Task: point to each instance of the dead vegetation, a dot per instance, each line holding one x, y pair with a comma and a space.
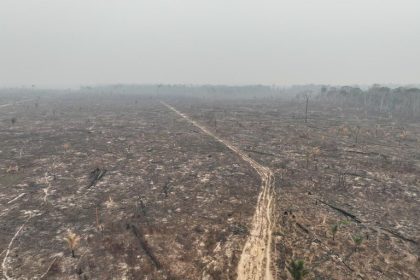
334, 168
72, 241
145, 197
152, 197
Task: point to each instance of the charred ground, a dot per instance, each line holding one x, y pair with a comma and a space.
171, 198
174, 203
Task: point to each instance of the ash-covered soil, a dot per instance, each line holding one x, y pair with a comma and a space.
175, 203
342, 169
172, 203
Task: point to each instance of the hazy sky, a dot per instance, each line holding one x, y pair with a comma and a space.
61, 43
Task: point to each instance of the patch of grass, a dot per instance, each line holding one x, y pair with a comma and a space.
358, 240
297, 269
335, 227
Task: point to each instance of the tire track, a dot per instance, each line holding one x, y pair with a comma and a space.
255, 260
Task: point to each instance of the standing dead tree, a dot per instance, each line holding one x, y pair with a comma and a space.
356, 134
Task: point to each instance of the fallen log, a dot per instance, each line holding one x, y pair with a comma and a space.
342, 211
354, 218
398, 235
145, 246
364, 153
303, 228
357, 173
95, 176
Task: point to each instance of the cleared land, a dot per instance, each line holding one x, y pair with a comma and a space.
153, 195
361, 174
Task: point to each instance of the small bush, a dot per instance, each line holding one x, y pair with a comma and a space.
297, 269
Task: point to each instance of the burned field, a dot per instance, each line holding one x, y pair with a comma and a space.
347, 186
171, 203
143, 194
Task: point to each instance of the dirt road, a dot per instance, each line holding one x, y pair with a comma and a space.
255, 260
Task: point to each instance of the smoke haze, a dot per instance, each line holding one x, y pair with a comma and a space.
66, 43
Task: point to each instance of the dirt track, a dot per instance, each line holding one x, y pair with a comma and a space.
255, 260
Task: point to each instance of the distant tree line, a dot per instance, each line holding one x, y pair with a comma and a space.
398, 102
187, 90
